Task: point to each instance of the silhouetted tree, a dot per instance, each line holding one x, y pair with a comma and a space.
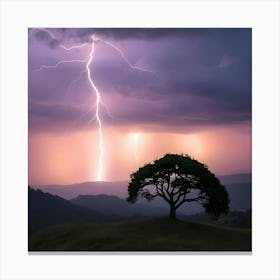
179, 179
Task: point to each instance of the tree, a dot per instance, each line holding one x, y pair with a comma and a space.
178, 179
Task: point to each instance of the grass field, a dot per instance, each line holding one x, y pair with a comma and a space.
148, 234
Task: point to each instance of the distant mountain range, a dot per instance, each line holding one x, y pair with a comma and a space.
106, 196
113, 205
88, 188
236, 179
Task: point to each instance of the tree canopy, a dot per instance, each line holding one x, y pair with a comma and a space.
179, 179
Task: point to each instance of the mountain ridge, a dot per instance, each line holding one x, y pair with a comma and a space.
119, 188
238, 186
110, 204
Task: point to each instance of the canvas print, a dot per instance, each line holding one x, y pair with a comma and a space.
139, 139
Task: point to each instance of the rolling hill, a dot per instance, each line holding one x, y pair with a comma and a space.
112, 205
108, 223
45, 209
149, 234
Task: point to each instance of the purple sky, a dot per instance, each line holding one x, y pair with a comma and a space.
202, 83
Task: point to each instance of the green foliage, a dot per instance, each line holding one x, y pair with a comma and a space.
179, 179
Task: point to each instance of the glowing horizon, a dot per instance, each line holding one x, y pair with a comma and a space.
77, 164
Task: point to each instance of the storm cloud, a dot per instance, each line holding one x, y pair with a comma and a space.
203, 77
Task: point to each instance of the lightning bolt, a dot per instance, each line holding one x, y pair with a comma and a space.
58, 63
133, 67
95, 90
136, 147
54, 38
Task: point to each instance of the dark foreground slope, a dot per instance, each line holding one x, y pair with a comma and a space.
150, 234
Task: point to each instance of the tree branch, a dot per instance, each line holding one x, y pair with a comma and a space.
178, 197
168, 185
189, 200
164, 197
160, 192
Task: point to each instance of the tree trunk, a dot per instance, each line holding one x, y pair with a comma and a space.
172, 213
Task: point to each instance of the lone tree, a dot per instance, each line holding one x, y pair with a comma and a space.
179, 179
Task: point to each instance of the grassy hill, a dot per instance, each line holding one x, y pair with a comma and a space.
149, 234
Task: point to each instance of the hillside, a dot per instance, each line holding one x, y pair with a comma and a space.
239, 219
240, 196
110, 205
149, 234
45, 209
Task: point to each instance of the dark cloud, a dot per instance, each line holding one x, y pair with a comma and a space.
58, 117
83, 34
203, 77
45, 37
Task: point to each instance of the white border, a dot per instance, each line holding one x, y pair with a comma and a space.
17, 16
